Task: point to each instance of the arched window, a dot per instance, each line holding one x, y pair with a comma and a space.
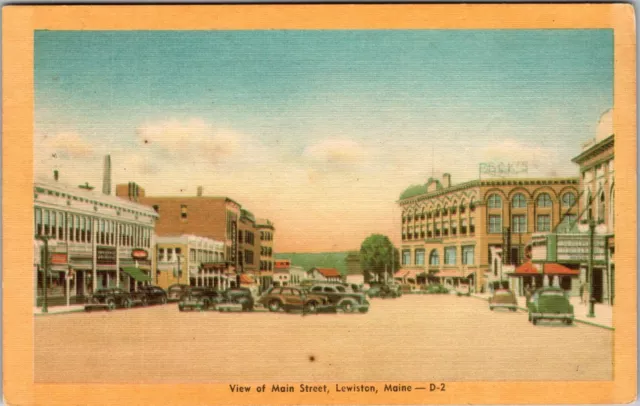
495, 202
612, 217
434, 258
568, 199
519, 201
544, 200
601, 206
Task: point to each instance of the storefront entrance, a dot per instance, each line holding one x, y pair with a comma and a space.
597, 285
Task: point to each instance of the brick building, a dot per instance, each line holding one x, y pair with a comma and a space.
218, 218
467, 232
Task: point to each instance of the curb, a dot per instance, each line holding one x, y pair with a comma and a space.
590, 323
54, 313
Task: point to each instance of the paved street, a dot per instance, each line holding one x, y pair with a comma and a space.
416, 337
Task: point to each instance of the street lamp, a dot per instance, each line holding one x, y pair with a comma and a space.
592, 226
45, 239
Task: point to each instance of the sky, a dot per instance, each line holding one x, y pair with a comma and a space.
319, 131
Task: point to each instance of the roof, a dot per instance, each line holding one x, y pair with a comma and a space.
596, 147
408, 273
529, 268
328, 272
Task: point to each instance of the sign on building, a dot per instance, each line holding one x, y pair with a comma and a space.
503, 169
106, 255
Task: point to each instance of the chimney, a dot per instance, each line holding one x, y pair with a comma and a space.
446, 180
106, 180
56, 175
200, 191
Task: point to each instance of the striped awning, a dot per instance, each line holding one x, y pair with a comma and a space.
136, 274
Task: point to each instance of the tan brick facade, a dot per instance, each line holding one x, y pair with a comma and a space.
452, 230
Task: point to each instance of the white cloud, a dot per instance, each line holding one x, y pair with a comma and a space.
337, 151
65, 145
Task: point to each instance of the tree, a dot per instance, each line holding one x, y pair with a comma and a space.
378, 254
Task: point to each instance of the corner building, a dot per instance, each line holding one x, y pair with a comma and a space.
461, 233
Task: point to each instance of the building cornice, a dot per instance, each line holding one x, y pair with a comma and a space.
594, 150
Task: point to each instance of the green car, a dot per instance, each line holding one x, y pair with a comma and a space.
550, 303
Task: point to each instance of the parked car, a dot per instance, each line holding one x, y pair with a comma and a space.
240, 296
550, 303
200, 298
175, 292
503, 298
110, 299
290, 298
436, 289
341, 298
152, 294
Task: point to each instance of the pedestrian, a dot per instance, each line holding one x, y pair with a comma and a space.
527, 293
582, 292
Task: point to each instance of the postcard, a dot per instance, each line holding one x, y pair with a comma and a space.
319, 204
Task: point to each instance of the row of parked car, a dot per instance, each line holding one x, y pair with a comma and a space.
548, 303
112, 298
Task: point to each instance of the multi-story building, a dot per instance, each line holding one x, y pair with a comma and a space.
192, 260
95, 240
590, 236
216, 218
453, 233
267, 236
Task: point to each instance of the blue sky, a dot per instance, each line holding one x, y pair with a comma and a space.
270, 117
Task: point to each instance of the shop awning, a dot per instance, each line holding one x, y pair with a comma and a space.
136, 274
529, 268
401, 273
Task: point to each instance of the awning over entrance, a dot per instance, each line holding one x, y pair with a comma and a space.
401, 273
136, 274
246, 279
529, 268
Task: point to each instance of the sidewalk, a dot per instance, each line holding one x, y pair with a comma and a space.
60, 309
603, 312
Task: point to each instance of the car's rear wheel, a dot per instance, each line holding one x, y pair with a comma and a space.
111, 304
126, 303
163, 300
274, 305
534, 321
491, 308
312, 307
145, 301
569, 321
347, 306
513, 309
205, 304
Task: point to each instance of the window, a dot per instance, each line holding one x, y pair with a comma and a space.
170, 256
161, 257
467, 254
495, 224
543, 223
39, 221
519, 223
434, 258
248, 257
519, 201
450, 255
156, 208
420, 257
495, 202
601, 207
568, 199
544, 200
183, 211
406, 257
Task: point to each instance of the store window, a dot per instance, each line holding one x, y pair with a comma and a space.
420, 257
519, 223
468, 255
450, 255
495, 224
543, 222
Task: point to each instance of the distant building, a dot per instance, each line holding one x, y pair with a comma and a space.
324, 274
354, 269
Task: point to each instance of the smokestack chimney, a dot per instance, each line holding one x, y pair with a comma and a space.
55, 175
200, 191
446, 180
106, 180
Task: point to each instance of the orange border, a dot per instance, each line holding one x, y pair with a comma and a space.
18, 25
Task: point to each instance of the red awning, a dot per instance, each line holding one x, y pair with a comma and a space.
246, 279
401, 273
528, 269
557, 269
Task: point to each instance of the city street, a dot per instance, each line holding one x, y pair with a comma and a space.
416, 337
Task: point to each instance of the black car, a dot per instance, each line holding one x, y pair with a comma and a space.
240, 296
152, 294
110, 299
200, 298
341, 297
175, 292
